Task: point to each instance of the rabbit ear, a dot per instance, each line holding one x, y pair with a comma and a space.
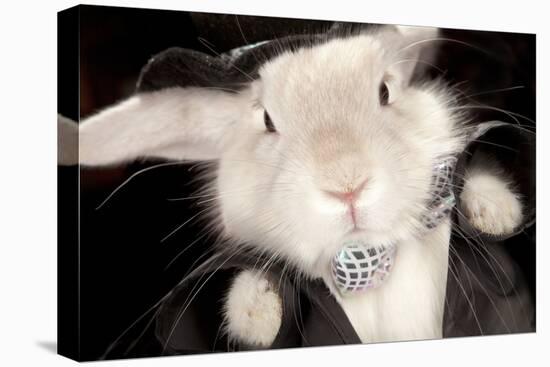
184, 106
415, 50
172, 123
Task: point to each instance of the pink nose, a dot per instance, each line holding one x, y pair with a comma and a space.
348, 196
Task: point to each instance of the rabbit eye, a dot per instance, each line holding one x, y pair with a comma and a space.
384, 94
270, 127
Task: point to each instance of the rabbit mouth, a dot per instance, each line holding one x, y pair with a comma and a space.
356, 230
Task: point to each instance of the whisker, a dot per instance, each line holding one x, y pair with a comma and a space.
467, 300
192, 296
512, 115
183, 225
469, 96
484, 289
437, 39
207, 44
419, 61
135, 175
244, 38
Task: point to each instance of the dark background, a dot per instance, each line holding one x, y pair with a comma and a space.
123, 262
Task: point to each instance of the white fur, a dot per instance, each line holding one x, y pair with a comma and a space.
253, 310
173, 123
488, 198
332, 134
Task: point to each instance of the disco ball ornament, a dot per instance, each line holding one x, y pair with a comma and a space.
358, 267
443, 199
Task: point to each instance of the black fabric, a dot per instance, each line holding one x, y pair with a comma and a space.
180, 67
486, 290
311, 316
183, 67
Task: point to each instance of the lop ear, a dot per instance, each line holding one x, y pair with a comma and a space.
172, 123
415, 50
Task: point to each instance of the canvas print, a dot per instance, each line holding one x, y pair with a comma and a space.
231, 183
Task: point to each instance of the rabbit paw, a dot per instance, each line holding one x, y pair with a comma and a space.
489, 203
253, 310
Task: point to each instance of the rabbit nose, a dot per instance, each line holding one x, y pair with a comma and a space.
350, 195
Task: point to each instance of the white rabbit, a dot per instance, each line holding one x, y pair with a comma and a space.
332, 142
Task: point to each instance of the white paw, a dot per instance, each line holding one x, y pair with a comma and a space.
489, 203
253, 310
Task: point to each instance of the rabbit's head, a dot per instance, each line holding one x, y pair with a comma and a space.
331, 142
